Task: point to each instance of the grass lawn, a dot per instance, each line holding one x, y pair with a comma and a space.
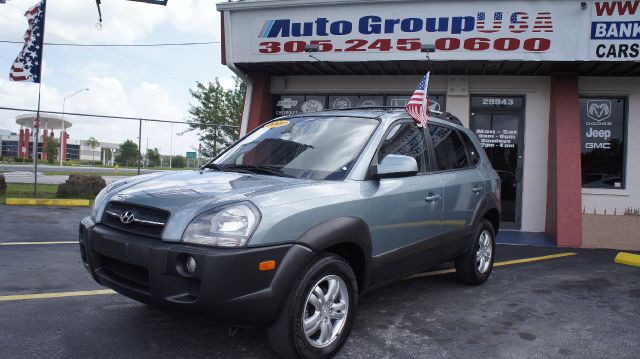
25, 190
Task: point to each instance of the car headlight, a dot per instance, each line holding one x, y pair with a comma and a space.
229, 226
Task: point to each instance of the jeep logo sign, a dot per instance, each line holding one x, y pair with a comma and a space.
599, 110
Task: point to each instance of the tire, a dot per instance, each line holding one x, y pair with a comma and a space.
287, 336
475, 266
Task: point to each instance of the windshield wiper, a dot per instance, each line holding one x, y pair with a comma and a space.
260, 169
212, 166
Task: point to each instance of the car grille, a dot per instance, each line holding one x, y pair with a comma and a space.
146, 221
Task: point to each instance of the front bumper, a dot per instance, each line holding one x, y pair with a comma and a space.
227, 285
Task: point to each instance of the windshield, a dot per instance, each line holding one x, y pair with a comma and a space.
322, 148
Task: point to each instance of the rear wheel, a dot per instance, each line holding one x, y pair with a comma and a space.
318, 314
475, 266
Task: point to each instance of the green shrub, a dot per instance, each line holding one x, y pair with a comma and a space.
3, 185
79, 186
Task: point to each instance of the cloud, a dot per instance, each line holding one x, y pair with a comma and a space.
123, 21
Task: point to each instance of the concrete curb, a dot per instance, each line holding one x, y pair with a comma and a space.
628, 259
47, 202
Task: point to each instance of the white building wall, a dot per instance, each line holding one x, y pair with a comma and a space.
617, 199
458, 90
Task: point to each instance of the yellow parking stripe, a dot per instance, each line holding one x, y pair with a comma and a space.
420, 275
47, 202
35, 243
534, 259
497, 264
8, 298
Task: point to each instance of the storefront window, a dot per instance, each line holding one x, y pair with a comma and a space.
286, 105
603, 126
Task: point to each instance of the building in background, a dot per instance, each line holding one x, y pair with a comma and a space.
19, 145
549, 87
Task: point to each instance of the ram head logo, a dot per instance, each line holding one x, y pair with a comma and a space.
599, 110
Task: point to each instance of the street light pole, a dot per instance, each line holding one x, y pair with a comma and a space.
64, 101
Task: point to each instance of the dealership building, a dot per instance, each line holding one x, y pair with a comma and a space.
549, 87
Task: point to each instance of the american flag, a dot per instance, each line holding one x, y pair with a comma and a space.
543, 22
497, 22
28, 64
418, 105
519, 22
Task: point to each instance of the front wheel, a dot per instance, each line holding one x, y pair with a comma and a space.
474, 267
318, 313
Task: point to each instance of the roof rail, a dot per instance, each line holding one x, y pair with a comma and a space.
445, 115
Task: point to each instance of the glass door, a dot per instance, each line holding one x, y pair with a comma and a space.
500, 130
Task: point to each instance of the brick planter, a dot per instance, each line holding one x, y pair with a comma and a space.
607, 231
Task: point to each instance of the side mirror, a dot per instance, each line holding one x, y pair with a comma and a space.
397, 166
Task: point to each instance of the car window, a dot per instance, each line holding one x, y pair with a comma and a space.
407, 139
450, 152
321, 148
472, 151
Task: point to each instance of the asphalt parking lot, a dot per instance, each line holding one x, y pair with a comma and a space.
574, 306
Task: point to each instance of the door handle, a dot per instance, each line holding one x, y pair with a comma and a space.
477, 189
433, 198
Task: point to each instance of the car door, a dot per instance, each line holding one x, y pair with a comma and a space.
407, 210
463, 185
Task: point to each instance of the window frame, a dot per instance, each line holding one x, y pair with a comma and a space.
625, 129
375, 159
433, 151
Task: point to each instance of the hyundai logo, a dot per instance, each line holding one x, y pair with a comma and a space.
127, 217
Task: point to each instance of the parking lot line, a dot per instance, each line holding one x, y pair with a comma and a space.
533, 259
36, 243
7, 298
497, 264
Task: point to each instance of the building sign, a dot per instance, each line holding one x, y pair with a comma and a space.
559, 30
615, 30
603, 135
286, 105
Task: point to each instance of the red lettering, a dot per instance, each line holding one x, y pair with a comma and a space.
609, 7
447, 44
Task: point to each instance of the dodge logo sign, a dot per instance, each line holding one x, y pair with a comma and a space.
126, 217
599, 110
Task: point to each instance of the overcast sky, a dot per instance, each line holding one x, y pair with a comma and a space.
146, 82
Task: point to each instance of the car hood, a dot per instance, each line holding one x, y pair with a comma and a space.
179, 189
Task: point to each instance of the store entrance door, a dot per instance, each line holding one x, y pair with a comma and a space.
498, 122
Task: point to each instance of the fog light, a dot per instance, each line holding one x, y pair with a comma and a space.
190, 265
187, 265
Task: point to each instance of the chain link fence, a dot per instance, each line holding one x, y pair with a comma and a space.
112, 147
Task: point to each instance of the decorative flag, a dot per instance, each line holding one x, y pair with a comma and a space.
28, 64
418, 105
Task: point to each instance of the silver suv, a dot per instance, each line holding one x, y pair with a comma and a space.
292, 223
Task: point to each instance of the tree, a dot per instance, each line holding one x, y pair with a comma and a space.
51, 149
93, 143
153, 157
178, 162
216, 109
128, 153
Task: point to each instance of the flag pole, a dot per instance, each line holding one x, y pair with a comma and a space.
35, 144
37, 122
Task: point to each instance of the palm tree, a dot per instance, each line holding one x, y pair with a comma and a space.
93, 143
